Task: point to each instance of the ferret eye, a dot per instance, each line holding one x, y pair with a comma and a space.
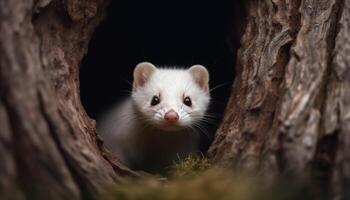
155, 101
187, 101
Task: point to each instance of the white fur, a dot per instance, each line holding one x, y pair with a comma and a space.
137, 131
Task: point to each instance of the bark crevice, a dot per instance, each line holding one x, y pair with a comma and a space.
53, 131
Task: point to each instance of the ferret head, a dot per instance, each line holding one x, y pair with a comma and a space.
171, 99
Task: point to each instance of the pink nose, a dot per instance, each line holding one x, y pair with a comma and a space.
171, 116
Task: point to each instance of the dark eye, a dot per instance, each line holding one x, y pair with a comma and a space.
155, 101
187, 101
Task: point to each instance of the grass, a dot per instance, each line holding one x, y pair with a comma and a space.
195, 179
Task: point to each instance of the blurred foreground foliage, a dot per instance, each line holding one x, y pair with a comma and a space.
195, 179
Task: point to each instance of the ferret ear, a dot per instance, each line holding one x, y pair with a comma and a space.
142, 73
201, 76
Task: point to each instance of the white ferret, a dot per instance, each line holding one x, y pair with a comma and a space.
155, 126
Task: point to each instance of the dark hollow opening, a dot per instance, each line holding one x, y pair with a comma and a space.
180, 33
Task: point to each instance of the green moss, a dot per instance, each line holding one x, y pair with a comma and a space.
210, 184
194, 179
189, 167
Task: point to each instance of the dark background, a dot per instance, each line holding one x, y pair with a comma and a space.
180, 33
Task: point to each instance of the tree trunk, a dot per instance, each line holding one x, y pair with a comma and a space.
49, 148
289, 111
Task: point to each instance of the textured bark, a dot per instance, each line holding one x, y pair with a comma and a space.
49, 148
289, 109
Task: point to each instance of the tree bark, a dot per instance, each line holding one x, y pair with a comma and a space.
289, 110
49, 148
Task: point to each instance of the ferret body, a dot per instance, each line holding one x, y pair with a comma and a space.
155, 126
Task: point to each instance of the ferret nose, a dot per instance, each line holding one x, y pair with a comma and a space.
171, 116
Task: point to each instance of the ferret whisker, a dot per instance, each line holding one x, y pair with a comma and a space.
132, 85
205, 117
209, 114
209, 119
209, 122
193, 129
219, 86
202, 130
